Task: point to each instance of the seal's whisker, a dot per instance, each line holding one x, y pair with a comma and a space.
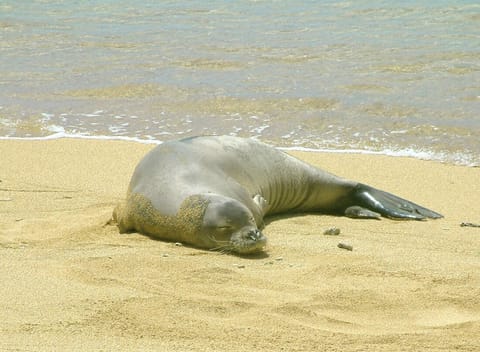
222, 248
217, 241
226, 250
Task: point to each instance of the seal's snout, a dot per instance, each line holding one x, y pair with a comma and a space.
248, 240
254, 235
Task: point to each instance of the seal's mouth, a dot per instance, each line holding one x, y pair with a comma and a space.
246, 242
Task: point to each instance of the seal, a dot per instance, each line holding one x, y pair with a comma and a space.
213, 192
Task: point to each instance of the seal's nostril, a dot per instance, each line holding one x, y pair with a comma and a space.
254, 235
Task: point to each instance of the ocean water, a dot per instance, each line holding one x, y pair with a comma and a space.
393, 77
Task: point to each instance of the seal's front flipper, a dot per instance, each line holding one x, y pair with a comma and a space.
261, 203
389, 205
259, 209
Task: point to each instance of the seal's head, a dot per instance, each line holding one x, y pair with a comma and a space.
229, 226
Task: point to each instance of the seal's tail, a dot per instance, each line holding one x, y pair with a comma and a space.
390, 205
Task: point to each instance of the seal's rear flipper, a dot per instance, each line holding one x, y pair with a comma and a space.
389, 205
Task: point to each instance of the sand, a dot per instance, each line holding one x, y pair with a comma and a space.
71, 282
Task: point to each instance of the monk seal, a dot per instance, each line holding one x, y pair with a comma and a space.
213, 192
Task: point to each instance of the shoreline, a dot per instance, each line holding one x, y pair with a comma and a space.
419, 154
70, 281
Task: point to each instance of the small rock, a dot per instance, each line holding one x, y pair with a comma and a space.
279, 259
345, 246
178, 244
469, 224
164, 255
332, 231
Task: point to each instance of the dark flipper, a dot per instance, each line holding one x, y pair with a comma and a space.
389, 205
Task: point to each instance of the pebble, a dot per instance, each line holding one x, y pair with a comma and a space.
332, 231
345, 246
469, 224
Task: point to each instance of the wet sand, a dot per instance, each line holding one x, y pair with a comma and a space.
71, 282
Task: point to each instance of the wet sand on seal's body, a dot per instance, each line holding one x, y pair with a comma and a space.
69, 282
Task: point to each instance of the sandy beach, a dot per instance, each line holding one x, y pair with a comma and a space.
71, 282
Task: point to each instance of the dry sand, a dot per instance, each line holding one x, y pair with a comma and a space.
70, 282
